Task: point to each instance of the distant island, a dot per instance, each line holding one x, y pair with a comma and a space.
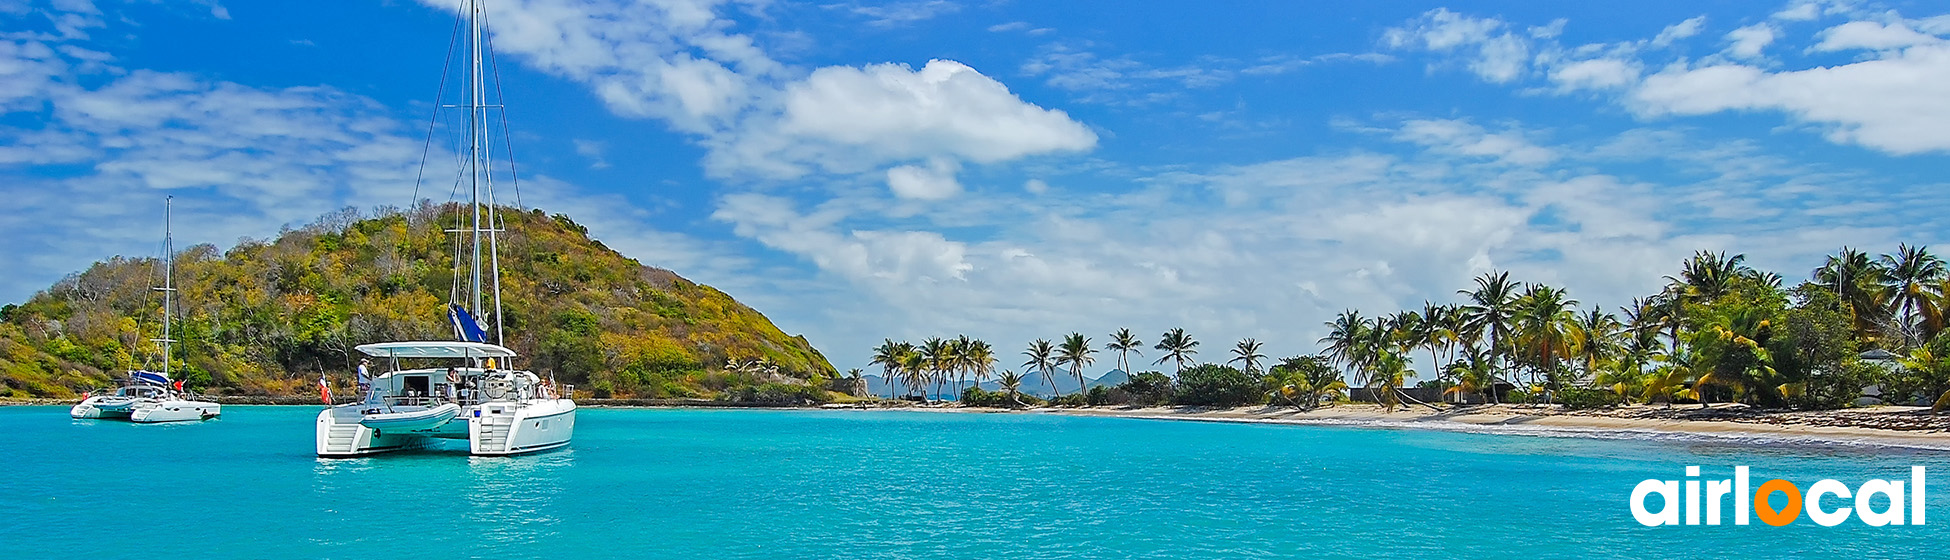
266, 318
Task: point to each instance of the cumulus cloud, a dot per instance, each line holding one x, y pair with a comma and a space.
1873, 35
1748, 42
1679, 31
936, 181
1887, 99
682, 63
1490, 48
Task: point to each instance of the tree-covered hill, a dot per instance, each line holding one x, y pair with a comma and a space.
267, 317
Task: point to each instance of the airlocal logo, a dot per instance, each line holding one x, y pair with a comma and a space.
1795, 501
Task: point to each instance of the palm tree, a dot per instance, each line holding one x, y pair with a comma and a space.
1387, 378
1012, 382
1492, 304
1595, 338
1042, 358
1858, 281
1912, 277
1545, 324
940, 355
1433, 332
1124, 343
1247, 351
889, 355
1707, 276
1301, 380
914, 373
981, 360
1177, 347
1075, 351
1343, 340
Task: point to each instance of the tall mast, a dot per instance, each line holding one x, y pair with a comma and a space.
169, 287
477, 125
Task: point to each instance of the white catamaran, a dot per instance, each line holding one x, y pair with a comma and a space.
464, 389
149, 396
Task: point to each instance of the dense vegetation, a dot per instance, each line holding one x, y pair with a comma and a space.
1718, 331
267, 317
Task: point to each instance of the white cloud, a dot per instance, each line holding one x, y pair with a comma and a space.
1679, 31
1490, 50
1886, 100
680, 62
1748, 42
934, 182
899, 13
1035, 186
1891, 104
1804, 11
1870, 35
1596, 74
1459, 137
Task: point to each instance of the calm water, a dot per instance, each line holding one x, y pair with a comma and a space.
801, 484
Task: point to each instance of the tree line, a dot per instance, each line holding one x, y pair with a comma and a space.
1716, 331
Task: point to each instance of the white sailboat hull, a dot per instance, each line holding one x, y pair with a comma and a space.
175, 410
493, 428
104, 407
515, 428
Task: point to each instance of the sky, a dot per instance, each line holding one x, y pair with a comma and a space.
1013, 170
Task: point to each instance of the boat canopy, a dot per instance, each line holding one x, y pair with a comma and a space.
435, 349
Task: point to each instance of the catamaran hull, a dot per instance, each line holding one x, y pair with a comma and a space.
104, 408
176, 411
492, 429
497, 429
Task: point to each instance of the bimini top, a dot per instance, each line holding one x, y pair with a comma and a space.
435, 349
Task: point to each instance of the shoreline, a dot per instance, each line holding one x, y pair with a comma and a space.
1856, 427
1884, 426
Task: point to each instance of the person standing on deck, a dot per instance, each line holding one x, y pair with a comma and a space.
365, 379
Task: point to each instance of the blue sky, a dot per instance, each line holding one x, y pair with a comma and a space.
1015, 170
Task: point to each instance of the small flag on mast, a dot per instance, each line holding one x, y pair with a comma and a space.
324, 389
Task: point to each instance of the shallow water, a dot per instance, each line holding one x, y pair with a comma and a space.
807, 484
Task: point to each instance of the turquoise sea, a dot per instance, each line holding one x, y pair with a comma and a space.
899, 484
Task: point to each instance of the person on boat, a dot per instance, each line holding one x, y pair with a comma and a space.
365, 378
453, 380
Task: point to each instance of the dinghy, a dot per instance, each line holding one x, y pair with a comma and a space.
410, 418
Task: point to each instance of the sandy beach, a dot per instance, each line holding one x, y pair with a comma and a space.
1896, 426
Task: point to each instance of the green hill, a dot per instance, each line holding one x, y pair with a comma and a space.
266, 317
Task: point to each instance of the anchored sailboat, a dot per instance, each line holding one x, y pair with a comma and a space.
472, 390
149, 396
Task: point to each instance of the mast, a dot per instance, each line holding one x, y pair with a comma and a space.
477, 124
169, 287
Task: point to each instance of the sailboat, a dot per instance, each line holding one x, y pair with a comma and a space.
472, 390
149, 396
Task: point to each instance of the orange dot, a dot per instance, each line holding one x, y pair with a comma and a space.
1778, 517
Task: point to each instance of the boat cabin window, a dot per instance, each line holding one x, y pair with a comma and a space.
416, 385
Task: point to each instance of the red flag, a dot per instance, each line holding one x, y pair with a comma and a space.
179, 385
324, 390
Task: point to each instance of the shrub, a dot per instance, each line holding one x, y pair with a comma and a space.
1069, 400
1216, 385
1147, 389
978, 397
1581, 398
776, 394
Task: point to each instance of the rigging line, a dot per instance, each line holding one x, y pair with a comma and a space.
445, 65
506, 138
